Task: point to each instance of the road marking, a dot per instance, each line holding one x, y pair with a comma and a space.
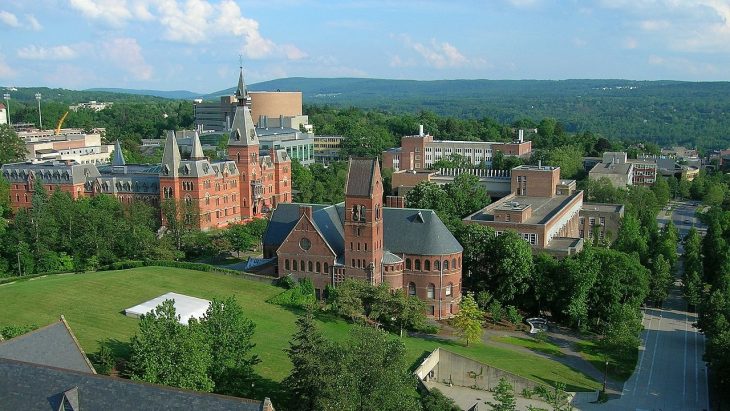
646, 343
653, 354
684, 372
697, 381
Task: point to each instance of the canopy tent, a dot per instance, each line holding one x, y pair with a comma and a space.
185, 306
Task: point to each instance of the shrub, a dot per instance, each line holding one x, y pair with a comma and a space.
299, 296
286, 282
513, 315
104, 360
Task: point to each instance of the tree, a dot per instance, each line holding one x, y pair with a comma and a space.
509, 266
467, 194
229, 335
435, 400
661, 279
684, 188
348, 299
430, 195
468, 321
661, 190
504, 397
304, 383
496, 310
630, 238
12, 147
569, 159
454, 160
169, 353
240, 238
621, 333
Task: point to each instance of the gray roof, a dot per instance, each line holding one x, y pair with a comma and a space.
171, 156
360, 177
26, 386
390, 258
118, 159
53, 345
50, 172
405, 230
243, 132
196, 153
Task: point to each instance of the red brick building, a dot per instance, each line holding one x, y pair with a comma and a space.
405, 248
247, 185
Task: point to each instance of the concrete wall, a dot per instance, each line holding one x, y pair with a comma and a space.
447, 367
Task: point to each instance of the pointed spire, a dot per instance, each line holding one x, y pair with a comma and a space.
171, 156
196, 153
241, 89
243, 131
118, 158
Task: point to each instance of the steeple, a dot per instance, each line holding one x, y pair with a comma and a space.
118, 158
171, 156
196, 152
241, 92
243, 131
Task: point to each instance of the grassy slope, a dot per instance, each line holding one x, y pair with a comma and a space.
531, 344
93, 304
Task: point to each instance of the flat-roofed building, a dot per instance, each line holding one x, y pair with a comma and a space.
327, 149
420, 152
601, 221
542, 209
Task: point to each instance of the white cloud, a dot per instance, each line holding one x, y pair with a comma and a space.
630, 43
5, 70
33, 23
9, 19
33, 52
191, 22
127, 54
438, 54
654, 25
683, 65
524, 3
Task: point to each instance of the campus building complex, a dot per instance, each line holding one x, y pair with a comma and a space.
408, 249
215, 193
422, 151
542, 209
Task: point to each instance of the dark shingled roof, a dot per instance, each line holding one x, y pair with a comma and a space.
25, 386
53, 345
360, 177
405, 230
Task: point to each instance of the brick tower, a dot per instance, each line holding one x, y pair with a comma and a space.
364, 221
243, 148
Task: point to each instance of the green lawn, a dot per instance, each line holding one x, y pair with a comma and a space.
619, 368
93, 304
531, 344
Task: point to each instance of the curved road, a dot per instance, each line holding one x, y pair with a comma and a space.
670, 374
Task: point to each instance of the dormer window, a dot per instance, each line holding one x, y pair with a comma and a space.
166, 169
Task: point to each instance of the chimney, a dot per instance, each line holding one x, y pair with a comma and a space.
420, 130
521, 136
305, 210
281, 121
539, 164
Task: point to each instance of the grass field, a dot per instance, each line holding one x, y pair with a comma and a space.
619, 368
93, 304
531, 344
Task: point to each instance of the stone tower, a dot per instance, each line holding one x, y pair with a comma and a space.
364, 221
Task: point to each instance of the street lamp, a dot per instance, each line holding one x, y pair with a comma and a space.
6, 96
605, 377
40, 116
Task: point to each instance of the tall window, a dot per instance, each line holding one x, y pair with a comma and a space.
446, 264
408, 263
418, 264
431, 291
319, 267
286, 264
295, 265
427, 265
326, 268
412, 289
449, 289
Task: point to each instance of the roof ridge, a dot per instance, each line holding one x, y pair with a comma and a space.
76, 341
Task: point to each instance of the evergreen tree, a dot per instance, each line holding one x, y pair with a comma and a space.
504, 397
304, 383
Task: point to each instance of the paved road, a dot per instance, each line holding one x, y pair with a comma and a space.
670, 374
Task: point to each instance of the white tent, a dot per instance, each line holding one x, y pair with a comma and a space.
185, 306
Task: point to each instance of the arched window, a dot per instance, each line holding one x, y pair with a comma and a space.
453, 263
301, 265
296, 268
427, 265
309, 266
417, 264
319, 267
449, 289
431, 291
326, 268
437, 265
408, 263
446, 264
412, 289
286, 264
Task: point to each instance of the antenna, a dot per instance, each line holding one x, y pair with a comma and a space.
240, 61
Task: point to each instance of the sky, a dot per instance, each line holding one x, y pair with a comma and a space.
196, 45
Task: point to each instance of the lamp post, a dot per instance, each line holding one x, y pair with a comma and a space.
605, 376
40, 116
6, 96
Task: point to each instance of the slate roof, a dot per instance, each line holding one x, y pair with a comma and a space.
118, 159
26, 386
390, 258
360, 177
50, 172
405, 230
243, 132
53, 345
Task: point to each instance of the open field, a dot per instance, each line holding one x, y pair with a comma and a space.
533, 344
93, 304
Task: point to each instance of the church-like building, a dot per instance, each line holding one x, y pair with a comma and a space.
405, 248
247, 185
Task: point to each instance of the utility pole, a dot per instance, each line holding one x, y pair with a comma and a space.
40, 116
20, 269
6, 96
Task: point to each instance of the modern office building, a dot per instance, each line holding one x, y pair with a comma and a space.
327, 149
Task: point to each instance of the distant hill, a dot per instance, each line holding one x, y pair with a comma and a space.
66, 96
174, 94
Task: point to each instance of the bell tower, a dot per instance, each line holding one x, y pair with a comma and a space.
364, 221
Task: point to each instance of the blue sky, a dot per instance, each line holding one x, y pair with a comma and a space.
195, 44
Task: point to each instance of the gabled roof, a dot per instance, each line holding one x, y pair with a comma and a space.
171, 156
360, 177
243, 131
53, 345
241, 90
196, 153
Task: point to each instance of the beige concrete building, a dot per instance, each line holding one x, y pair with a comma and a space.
71, 145
496, 182
327, 148
542, 209
602, 220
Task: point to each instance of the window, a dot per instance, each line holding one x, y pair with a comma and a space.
301, 265
295, 265
431, 291
449, 289
408, 263
412, 289
446, 264
319, 267
433, 310
437, 265
326, 268
418, 264
286, 264
453, 263
427, 265
309, 266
